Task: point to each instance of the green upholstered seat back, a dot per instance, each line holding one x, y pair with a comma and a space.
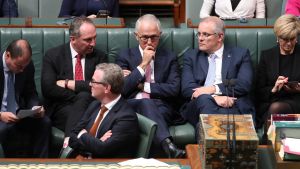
111, 41
147, 130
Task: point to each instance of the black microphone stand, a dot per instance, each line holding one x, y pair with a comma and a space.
232, 84
229, 144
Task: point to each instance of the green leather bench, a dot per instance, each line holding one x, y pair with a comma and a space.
112, 40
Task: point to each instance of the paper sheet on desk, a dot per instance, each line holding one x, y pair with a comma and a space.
291, 145
143, 162
29, 112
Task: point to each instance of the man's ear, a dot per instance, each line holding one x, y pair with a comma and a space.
7, 55
108, 88
136, 36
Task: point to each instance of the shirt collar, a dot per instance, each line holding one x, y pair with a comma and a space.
112, 103
219, 52
5, 68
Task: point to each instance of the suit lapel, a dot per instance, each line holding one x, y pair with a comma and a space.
226, 62
158, 69
106, 122
295, 69
274, 65
67, 58
1, 77
203, 60
137, 57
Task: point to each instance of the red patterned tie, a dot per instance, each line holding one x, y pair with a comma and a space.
147, 79
78, 68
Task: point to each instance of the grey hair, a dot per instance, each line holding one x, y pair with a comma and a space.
113, 75
150, 18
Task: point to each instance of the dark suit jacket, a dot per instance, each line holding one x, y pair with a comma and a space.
79, 7
25, 90
236, 64
121, 120
166, 73
8, 8
57, 65
267, 74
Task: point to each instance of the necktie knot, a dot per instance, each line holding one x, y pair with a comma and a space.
78, 68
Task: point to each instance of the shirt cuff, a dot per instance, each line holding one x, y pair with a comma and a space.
81, 133
218, 91
141, 71
147, 88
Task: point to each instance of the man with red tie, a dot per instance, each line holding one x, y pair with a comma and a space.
109, 127
66, 73
152, 81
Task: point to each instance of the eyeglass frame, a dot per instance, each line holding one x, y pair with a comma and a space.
204, 34
286, 40
152, 37
93, 81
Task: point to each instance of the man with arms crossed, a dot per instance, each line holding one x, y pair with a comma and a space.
109, 127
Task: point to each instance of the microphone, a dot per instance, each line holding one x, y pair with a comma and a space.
226, 83
232, 84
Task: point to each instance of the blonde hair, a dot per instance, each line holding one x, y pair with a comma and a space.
287, 27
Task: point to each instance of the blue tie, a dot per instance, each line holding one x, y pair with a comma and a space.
11, 100
211, 74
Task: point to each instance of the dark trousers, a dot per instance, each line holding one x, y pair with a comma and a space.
36, 129
66, 115
204, 104
157, 111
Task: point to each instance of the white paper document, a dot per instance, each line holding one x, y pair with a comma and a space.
143, 162
29, 112
291, 145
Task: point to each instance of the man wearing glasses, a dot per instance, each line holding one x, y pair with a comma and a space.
216, 78
152, 80
109, 127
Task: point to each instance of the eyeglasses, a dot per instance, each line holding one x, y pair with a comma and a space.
204, 34
95, 82
145, 38
286, 39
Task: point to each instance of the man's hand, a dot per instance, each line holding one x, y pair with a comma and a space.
126, 72
40, 113
148, 55
280, 82
9, 117
71, 84
224, 101
203, 90
106, 136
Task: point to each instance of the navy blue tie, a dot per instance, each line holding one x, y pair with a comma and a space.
11, 99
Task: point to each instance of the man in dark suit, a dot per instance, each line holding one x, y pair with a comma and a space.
207, 71
8, 8
18, 91
66, 72
152, 80
116, 133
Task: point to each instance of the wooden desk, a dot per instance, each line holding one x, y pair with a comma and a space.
175, 4
183, 162
251, 23
30, 22
266, 158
